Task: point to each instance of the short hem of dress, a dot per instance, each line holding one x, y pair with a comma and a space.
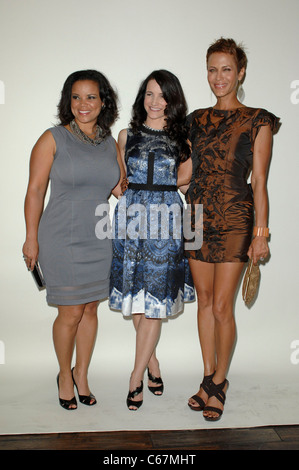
57, 303
170, 315
235, 260
128, 315
149, 305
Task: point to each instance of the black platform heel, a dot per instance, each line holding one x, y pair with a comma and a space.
216, 391
66, 404
156, 380
205, 385
133, 394
85, 399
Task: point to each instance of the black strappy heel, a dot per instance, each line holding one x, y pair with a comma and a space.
66, 404
133, 394
85, 399
216, 391
156, 380
205, 385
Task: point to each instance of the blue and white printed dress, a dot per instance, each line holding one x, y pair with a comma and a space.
149, 272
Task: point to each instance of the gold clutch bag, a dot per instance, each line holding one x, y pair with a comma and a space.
250, 282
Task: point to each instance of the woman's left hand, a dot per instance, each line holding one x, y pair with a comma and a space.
258, 250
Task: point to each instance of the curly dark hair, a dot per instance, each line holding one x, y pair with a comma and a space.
229, 46
109, 112
175, 111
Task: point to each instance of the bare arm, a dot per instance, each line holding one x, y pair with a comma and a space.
40, 166
261, 159
117, 190
184, 175
122, 184
122, 140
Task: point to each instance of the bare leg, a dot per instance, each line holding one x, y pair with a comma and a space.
153, 363
64, 332
203, 276
85, 340
148, 331
226, 279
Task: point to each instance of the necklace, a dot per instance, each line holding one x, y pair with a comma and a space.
83, 137
152, 129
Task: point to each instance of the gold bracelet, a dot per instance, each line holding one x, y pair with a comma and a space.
261, 232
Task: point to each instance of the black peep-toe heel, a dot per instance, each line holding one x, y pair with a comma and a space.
85, 399
156, 380
205, 385
66, 404
133, 394
216, 391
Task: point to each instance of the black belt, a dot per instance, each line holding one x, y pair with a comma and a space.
152, 187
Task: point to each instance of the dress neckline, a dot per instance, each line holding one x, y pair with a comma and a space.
227, 111
151, 130
79, 136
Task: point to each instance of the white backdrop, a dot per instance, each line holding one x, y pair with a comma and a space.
42, 42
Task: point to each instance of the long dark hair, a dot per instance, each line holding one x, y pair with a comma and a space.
109, 112
175, 111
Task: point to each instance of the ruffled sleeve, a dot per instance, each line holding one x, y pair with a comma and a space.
264, 118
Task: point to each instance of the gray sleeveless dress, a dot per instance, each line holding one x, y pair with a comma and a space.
74, 256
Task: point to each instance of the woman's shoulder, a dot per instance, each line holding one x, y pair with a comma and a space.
197, 117
255, 112
122, 135
59, 129
261, 116
198, 113
58, 132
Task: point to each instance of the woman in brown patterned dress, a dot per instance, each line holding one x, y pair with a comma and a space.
228, 141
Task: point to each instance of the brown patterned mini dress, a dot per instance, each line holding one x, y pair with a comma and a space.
222, 155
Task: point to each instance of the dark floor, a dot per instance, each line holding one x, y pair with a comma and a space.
261, 438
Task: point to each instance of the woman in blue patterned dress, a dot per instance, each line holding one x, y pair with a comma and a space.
150, 277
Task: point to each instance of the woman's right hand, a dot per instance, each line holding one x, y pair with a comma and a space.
41, 161
124, 184
30, 253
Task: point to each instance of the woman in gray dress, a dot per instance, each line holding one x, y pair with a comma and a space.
81, 160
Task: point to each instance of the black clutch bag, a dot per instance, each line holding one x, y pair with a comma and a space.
38, 276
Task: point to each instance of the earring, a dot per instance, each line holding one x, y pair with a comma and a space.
241, 92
